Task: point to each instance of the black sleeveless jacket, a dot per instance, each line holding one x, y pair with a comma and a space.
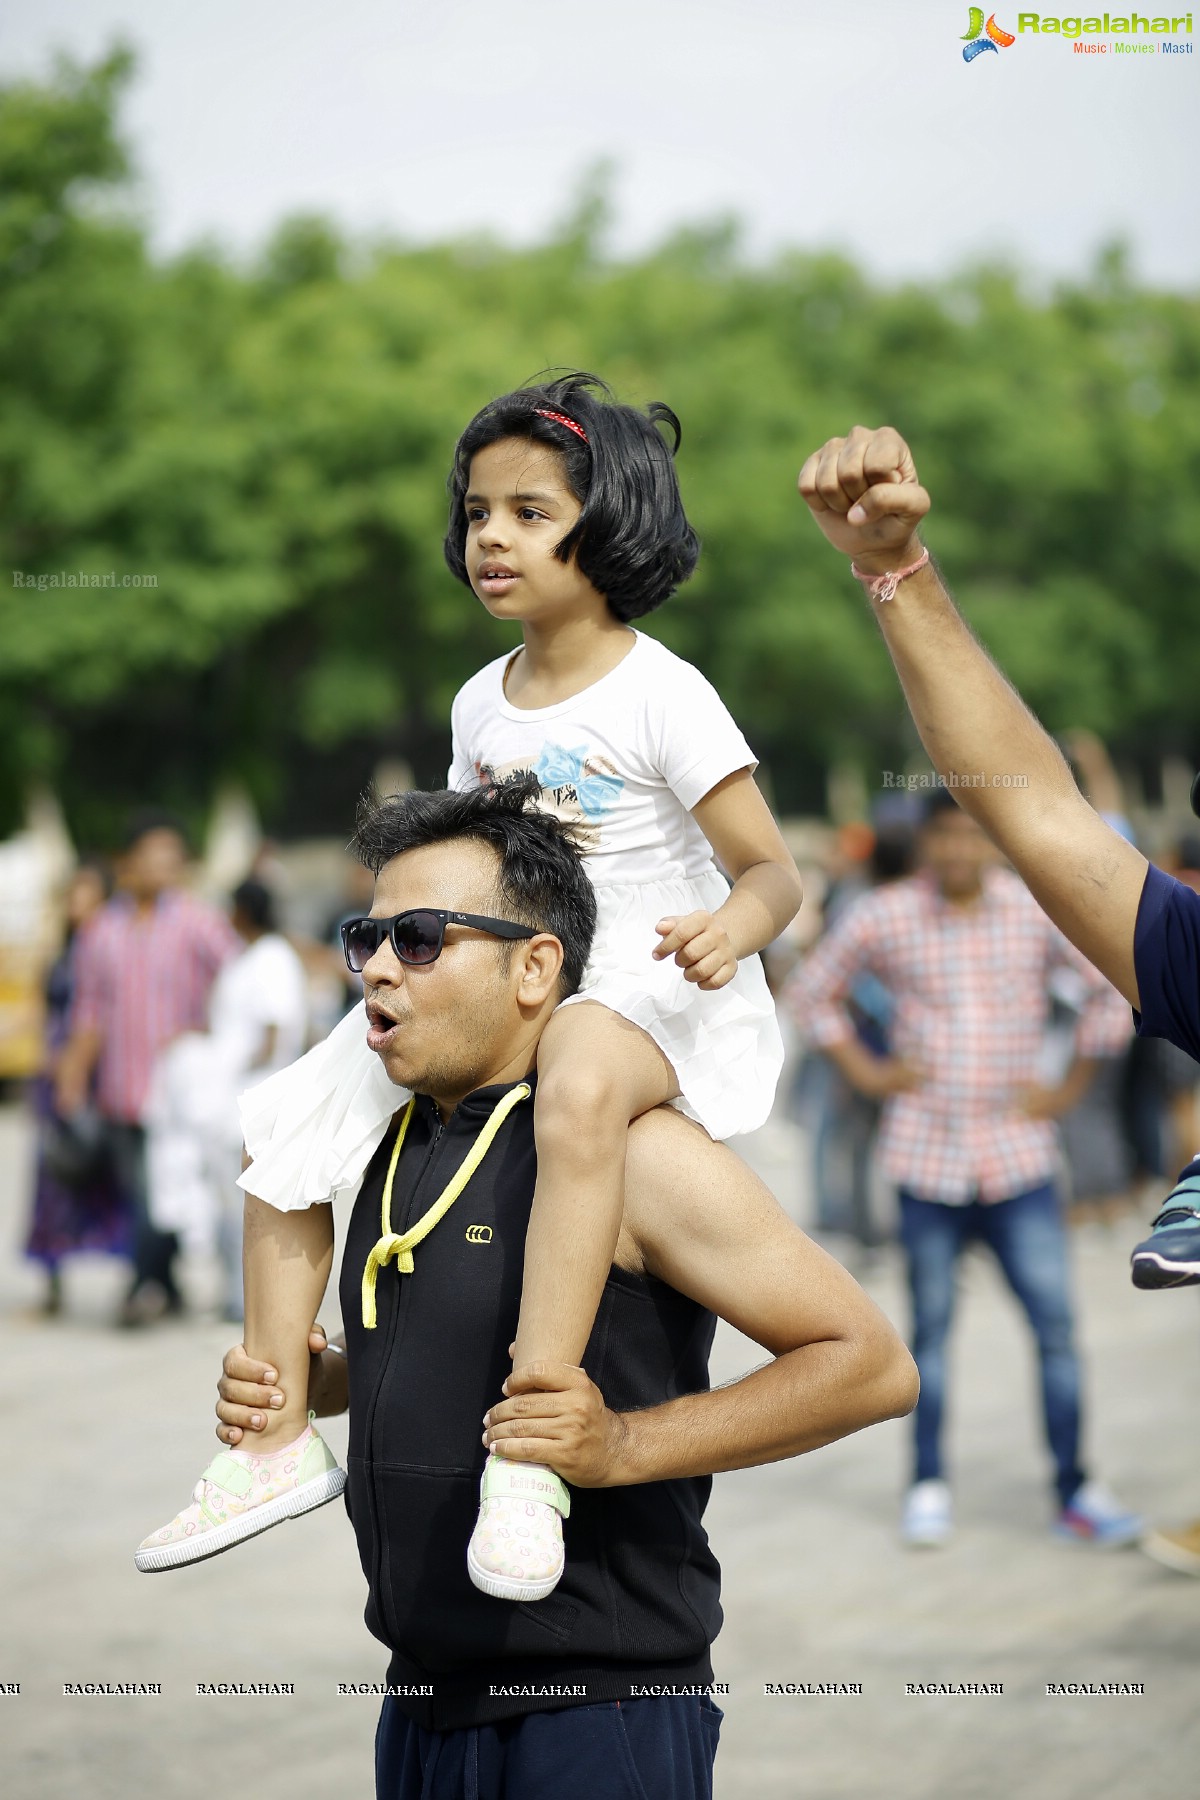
639, 1603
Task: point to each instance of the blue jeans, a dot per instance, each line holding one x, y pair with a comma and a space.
1026, 1233
655, 1749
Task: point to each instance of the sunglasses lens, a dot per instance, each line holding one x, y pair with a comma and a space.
418, 937
361, 938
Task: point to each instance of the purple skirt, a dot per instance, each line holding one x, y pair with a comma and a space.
66, 1220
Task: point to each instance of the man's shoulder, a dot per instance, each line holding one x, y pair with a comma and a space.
271, 962
104, 928
181, 900
182, 906
272, 949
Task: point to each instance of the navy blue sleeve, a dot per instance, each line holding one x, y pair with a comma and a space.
1166, 961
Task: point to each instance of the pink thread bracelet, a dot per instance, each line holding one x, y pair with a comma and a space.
883, 587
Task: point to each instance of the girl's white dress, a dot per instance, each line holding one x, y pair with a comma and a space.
624, 761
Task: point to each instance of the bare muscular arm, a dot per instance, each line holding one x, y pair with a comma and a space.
864, 494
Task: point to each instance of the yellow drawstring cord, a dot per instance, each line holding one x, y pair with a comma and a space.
401, 1246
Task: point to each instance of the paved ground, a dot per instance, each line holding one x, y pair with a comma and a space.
817, 1589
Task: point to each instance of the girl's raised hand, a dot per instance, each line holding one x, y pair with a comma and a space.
701, 948
863, 492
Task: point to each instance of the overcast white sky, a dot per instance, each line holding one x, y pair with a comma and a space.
851, 123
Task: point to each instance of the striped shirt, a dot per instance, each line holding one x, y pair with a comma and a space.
970, 985
142, 978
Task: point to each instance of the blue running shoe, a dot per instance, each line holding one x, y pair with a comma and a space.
1170, 1256
1094, 1517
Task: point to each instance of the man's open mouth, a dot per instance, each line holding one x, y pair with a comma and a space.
381, 1027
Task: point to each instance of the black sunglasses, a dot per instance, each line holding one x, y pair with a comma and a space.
417, 936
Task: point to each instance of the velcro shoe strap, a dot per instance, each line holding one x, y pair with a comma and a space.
1183, 1199
225, 1472
1173, 1210
507, 1480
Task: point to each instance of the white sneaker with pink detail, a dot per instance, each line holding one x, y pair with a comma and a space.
516, 1548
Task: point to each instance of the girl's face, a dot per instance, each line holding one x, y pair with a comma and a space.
518, 507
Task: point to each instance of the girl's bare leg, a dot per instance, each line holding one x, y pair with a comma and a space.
596, 1073
286, 1259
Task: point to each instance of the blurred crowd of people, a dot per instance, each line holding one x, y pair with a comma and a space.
160, 1008
966, 1076
1132, 1126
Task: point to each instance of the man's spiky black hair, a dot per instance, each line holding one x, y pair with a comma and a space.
540, 880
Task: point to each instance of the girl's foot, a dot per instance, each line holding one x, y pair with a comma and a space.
241, 1494
516, 1549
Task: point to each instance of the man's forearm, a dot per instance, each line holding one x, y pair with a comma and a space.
864, 494
797, 1402
978, 731
1077, 1080
859, 1067
1008, 773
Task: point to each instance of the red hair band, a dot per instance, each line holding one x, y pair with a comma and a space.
544, 412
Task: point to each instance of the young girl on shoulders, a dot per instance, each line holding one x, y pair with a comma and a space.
566, 519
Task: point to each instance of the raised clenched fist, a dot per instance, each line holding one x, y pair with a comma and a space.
864, 494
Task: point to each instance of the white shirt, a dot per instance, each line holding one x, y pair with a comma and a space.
625, 760
264, 986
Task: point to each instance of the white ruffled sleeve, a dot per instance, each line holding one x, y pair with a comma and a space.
311, 1129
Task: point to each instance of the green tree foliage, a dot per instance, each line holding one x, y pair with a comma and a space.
270, 445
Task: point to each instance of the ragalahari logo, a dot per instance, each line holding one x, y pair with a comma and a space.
976, 42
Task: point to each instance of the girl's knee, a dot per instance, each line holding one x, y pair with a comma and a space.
578, 1091
578, 1109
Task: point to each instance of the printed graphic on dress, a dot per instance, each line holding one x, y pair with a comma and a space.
577, 787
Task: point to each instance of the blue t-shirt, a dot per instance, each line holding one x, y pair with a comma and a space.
1166, 960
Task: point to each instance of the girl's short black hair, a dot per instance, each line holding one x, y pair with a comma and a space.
632, 540
541, 880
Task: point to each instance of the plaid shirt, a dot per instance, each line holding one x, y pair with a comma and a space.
140, 980
970, 986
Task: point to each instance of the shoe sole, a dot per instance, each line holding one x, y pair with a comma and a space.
1150, 1270
1123, 1540
1183, 1562
224, 1537
507, 1587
